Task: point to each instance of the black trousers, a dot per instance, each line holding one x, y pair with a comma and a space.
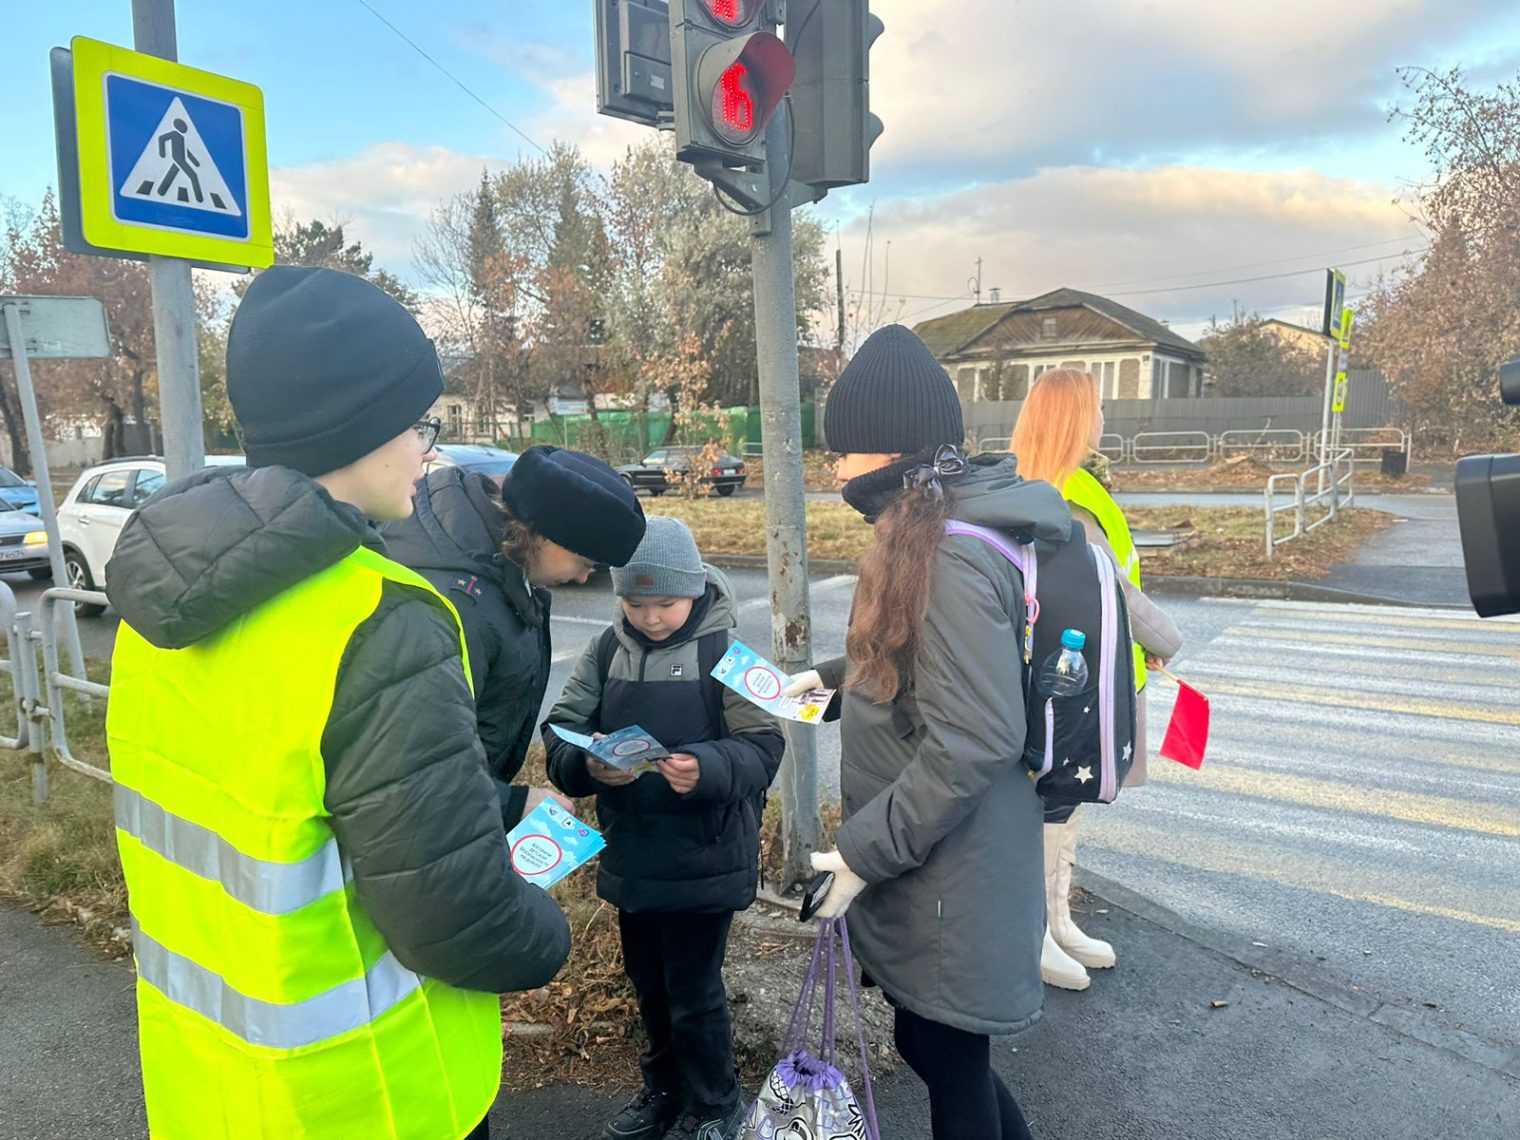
967, 1100
675, 962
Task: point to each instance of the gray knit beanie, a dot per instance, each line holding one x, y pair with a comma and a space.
666, 564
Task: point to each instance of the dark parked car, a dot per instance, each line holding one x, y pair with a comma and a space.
725, 476
16, 493
492, 462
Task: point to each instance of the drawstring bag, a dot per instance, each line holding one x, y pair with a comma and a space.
806, 1097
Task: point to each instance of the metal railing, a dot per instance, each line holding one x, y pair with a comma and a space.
58, 682
1286, 445
39, 701
1310, 510
1171, 447
1368, 444
1116, 447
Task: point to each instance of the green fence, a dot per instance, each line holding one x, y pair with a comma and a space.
630, 435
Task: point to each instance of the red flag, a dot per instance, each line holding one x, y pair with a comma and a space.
1187, 736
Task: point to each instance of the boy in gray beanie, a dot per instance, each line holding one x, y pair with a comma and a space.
683, 842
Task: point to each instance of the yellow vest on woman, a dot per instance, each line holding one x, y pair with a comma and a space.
1082, 490
268, 1003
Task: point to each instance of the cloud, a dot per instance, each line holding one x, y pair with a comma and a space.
1146, 238
386, 191
571, 116
985, 88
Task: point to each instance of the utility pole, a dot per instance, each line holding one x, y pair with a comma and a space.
839, 290
179, 379
785, 499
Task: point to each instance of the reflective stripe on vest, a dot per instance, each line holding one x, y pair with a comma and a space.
271, 888
279, 1026
1083, 490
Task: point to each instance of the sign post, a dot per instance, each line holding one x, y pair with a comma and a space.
165, 163
58, 328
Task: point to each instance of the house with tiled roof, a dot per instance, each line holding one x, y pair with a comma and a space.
995, 351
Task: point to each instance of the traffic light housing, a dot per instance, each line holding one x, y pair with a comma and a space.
831, 106
729, 76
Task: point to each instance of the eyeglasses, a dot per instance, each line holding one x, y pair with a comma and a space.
427, 431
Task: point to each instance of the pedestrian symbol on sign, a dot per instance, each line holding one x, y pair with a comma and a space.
176, 167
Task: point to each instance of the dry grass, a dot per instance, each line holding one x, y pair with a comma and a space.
737, 526
59, 857
1246, 475
817, 471
1227, 542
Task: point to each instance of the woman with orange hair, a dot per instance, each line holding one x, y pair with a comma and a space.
1059, 427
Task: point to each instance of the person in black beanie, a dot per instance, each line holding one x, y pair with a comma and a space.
941, 847
303, 807
568, 512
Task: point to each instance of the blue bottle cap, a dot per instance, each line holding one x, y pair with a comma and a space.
1073, 639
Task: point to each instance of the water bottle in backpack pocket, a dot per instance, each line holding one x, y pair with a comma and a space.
1064, 720
1077, 665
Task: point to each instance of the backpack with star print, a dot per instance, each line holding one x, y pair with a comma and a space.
1080, 747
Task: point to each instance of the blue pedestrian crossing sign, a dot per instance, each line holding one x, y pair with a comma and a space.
172, 160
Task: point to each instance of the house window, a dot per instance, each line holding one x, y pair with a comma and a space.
1018, 386
1105, 372
965, 383
1048, 329
455, 420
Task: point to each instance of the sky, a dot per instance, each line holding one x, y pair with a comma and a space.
1184, 157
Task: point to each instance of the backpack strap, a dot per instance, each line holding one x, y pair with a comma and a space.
606, 650
1022, 556
710, 650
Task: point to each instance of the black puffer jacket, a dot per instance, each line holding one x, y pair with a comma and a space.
453, 539
411, 804
668, 852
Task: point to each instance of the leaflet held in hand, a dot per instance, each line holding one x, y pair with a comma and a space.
628, 749
758, 681
549, 843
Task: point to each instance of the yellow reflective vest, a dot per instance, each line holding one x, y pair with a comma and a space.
1084, 491
268, 1003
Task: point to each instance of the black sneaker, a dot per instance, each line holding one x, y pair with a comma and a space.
710, 1124
647, 1116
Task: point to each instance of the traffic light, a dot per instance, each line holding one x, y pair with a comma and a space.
831, 105
729, 76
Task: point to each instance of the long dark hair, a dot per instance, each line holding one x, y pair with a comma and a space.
518, 541
892, 594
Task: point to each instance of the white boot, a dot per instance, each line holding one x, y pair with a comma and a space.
1093, 953
1057, 967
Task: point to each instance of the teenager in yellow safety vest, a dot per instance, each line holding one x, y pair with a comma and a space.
322, 906
1060, 426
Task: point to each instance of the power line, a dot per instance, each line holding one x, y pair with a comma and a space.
1251, 265
1262, 277
455, 79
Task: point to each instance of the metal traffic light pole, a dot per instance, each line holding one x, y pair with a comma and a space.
785, 498
179, 380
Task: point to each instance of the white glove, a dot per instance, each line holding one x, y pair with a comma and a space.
804, 682
847, 884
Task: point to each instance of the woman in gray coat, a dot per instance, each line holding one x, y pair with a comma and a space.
942, 833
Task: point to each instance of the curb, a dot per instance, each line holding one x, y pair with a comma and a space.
1287, 591
758, 562
1418, 1024
1174, 585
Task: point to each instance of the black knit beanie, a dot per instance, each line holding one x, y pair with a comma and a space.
577, 501
893, 398
323, 368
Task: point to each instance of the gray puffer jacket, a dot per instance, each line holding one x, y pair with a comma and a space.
412, 807
941, 817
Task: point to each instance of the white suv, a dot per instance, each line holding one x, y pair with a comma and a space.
98, 506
